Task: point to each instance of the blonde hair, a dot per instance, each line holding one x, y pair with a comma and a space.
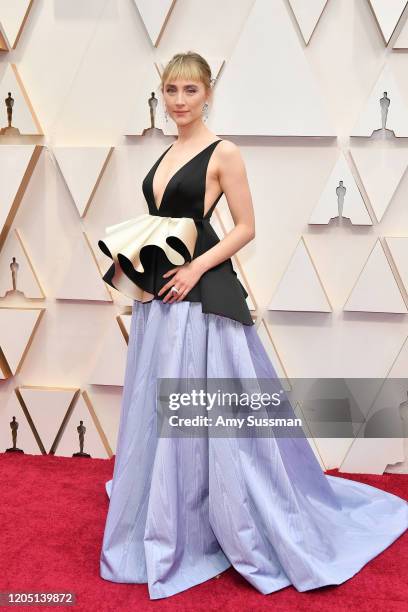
189, 65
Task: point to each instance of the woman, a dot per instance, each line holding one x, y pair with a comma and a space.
183, 509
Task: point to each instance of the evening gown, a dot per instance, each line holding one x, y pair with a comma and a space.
182, 510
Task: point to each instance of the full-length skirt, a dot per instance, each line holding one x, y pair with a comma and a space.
182, 510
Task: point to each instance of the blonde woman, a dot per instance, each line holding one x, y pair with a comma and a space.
184, 509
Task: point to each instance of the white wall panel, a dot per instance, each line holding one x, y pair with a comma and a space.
267, 87
307, 13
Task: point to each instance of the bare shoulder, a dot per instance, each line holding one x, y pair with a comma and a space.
229, 159
227, 148
229, 154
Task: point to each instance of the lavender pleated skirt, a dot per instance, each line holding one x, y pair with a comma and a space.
182, 510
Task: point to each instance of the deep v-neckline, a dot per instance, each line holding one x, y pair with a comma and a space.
176, 172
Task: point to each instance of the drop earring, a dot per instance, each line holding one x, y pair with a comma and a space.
166, 116
205, 111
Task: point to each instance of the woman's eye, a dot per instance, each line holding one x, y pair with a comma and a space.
191, 91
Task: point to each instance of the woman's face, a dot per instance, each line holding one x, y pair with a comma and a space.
184, 100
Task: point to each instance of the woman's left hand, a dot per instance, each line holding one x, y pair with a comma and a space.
185, 278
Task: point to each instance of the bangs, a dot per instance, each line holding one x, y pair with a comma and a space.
183, 69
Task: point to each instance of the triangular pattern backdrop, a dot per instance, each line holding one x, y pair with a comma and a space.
325, 147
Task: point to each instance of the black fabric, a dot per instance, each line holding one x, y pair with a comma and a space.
219, 289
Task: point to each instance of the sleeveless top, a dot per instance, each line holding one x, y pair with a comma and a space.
219, 290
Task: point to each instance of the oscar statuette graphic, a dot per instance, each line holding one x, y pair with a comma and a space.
14, 266
81, 429
384, 104
152, 106
9, 130
152, 102
383, 131
340, 192
14, 427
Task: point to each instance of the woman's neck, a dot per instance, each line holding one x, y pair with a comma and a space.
195, 131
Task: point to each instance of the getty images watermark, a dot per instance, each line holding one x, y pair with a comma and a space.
265, 407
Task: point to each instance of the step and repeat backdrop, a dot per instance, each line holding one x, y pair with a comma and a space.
315, 94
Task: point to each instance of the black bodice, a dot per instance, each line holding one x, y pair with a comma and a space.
185, 191
219, 289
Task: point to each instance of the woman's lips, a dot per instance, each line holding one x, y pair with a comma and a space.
180, 112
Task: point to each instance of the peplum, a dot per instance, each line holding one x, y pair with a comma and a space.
145, 247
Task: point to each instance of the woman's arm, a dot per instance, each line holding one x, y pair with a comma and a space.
233, 180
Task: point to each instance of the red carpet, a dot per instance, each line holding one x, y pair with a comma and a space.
53, 513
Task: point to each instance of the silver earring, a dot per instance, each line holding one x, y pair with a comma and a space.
205, 110
166, 116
